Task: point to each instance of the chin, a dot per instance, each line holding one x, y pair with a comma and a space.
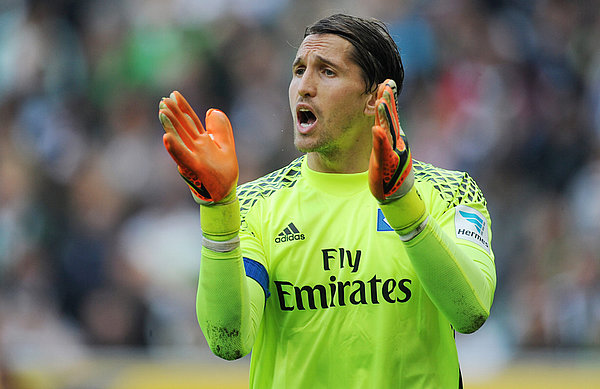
303, 143
303, 147
306, 144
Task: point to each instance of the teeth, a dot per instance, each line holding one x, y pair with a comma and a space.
305, 118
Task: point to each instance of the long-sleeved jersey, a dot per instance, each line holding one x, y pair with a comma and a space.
332, 297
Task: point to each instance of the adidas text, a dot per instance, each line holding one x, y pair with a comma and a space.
289, 238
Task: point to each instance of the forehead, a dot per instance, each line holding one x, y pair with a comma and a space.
328, 46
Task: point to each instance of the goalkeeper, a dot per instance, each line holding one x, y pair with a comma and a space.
353, 266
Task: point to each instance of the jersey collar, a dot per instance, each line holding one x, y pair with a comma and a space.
336, 184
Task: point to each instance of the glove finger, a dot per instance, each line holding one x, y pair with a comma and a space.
168, 125
189, 120
390, 164
402, 143
177, 126
219, 127
187, 109
193, 131
180, 154
378, 115
171, 104
165, 122
392, 89
387, 158
226, 172
390, 98
389, 91
380, 141
376, 182
392, 101
380, 119
386, 120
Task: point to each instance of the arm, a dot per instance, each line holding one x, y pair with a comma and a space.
459, 279
229, 304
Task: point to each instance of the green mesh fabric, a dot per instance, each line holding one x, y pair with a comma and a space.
453, 186
265, 186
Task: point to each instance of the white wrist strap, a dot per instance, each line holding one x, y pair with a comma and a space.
221, 246
415, 232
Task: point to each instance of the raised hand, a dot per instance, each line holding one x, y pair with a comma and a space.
205, 158
390, 167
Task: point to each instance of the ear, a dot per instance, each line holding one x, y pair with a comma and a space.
370, 103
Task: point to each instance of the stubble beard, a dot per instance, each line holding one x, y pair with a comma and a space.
322, 145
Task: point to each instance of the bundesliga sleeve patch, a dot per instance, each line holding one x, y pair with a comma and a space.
382, 223
471, 225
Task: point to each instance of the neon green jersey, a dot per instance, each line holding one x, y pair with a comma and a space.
346, 305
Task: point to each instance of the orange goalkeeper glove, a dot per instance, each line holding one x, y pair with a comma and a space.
390, 167
207, 161
391, 177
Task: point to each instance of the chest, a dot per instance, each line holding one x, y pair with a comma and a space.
324, 253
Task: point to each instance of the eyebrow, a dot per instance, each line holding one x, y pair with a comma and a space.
319, 58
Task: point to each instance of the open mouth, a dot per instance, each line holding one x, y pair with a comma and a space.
306, 118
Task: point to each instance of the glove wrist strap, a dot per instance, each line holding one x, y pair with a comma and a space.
406, 213
221, 221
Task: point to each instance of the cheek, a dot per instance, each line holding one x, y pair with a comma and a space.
347, 114
343, 106
291, 94
293, 98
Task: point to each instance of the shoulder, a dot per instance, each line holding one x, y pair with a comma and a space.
249, 193
454, 187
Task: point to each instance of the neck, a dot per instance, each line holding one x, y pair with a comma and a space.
348, 161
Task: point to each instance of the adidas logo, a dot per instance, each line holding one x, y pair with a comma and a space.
289, 234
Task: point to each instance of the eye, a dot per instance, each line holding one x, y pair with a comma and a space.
328, 72
299, 71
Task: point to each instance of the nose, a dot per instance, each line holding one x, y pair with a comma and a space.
307, 86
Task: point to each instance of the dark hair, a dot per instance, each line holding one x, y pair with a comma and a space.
374, 49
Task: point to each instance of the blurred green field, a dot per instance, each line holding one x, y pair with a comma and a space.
539, 374
122, 371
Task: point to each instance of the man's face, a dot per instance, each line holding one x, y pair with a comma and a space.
327, 98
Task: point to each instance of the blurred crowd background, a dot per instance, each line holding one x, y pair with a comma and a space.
99, 237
